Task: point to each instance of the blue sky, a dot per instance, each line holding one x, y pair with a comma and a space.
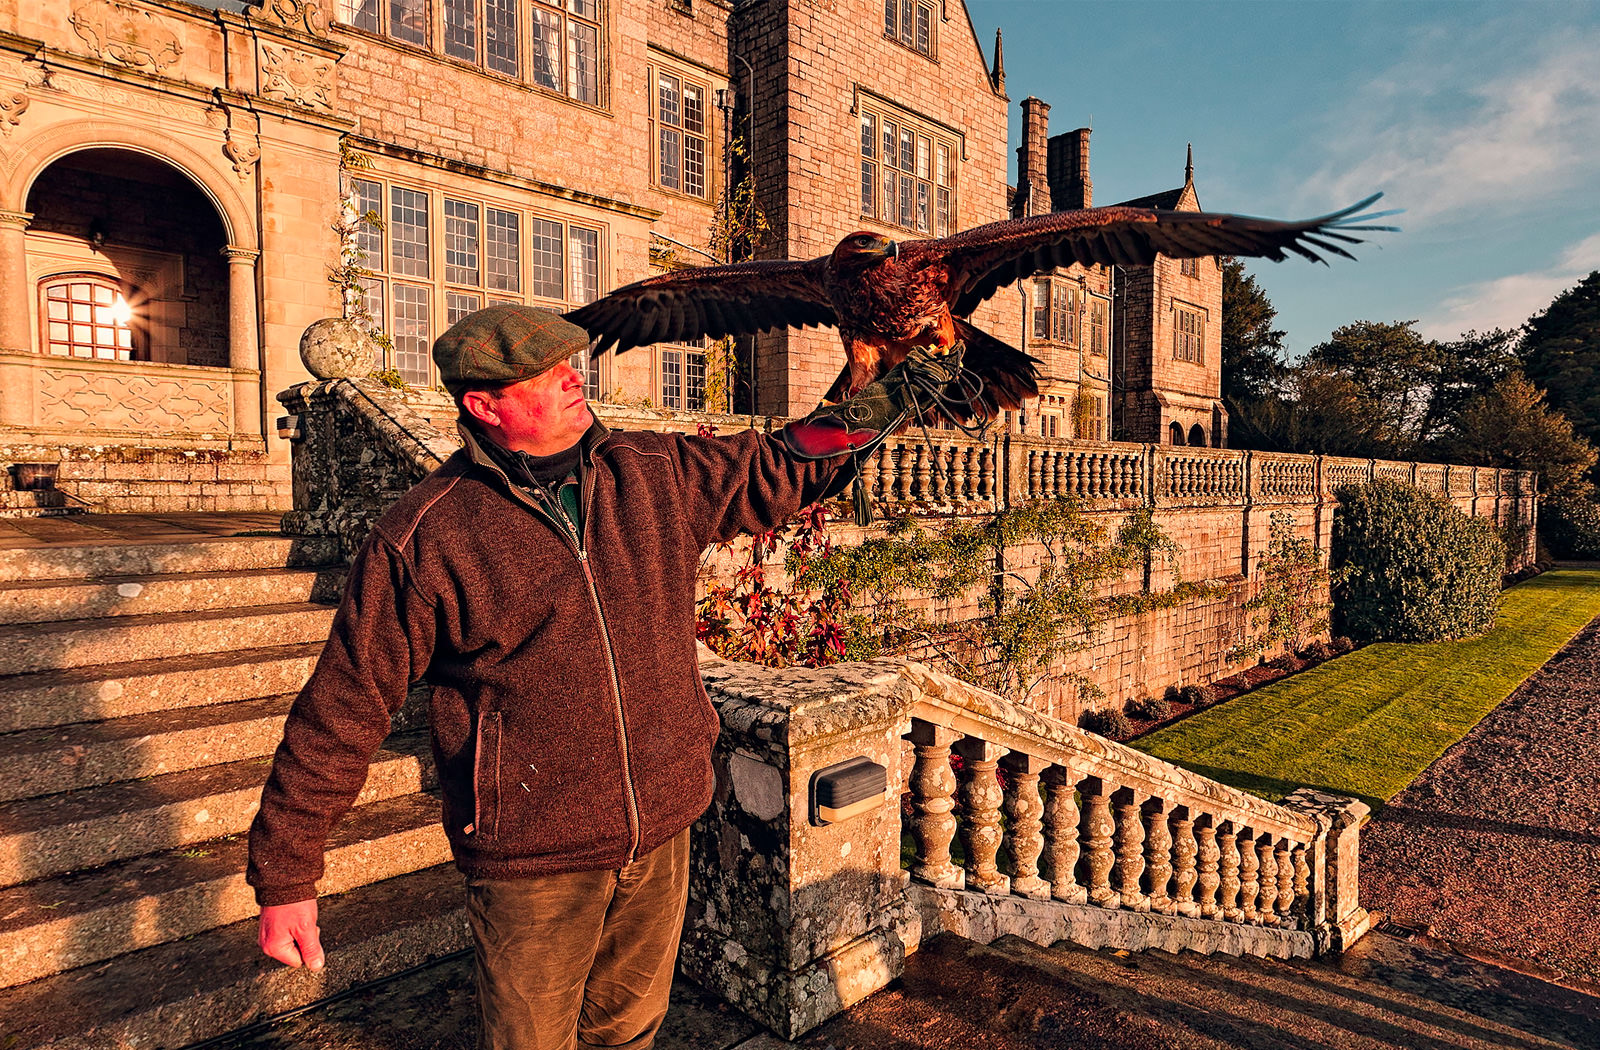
1481, 120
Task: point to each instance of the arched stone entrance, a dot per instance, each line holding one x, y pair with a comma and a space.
1197, 436
136, 310
1175, 433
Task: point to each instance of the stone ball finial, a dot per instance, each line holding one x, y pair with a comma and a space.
337, 348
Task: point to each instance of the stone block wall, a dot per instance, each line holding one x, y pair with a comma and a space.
144, 479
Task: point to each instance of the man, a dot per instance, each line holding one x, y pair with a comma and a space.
542, 581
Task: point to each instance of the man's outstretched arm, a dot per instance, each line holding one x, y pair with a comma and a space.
289, 934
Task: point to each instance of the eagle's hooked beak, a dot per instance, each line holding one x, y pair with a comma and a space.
892, 251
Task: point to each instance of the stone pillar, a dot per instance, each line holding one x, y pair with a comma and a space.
16, 333
1333, 907
244, 344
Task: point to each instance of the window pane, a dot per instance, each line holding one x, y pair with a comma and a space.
667, 100
546, 44
586, 8
372, 300
671, 379
890, 7
869, 135
908, 150
583, 59
408, 20
886, 209
585, 265
412, 307
503, 250
549, 267
869, 185
1041, 309
694, 110
460, 29
924, 28
941, 217
942, 172
907, 200
363, 14
459, 304
924, 149
908, 20
891, 135
671, 158
694, 381
694, 165
408, 231
460, 242
922, 207
500, 35
369, 206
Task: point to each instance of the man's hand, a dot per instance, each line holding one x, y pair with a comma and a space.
289, 934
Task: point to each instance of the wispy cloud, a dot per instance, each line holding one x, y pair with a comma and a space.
1506, 302
1445, 138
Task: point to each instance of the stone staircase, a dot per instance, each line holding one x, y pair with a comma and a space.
22, 497
143, 687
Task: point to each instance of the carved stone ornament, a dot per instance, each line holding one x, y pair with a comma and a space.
297, 77
12, 106
242, 152
126, 35
305, 16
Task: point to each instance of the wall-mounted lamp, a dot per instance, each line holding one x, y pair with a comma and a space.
847, 789
97, 233
724, 99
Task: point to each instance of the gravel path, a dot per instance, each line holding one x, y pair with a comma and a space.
1497, 845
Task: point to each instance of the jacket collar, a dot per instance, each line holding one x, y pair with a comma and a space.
473, 443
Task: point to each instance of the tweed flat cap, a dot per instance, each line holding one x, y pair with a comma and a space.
505, 344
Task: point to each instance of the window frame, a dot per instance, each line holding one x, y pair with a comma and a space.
659, 125
689, 361
138, 348
1182, 338
1056, 310
914, 25
909, 168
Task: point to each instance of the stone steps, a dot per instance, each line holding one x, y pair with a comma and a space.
43, 837
27, 648
36, 503
83, 918
68, 758
113, 557
83, 694
38, 601
184, 991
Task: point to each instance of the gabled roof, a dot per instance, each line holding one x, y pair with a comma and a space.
1167, 199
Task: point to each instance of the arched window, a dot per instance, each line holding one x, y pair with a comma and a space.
1197, 436
1176, 430
88, 315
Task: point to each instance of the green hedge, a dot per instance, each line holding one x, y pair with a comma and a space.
1415, 568
1570, 527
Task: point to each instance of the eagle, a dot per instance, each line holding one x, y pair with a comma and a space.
888, 297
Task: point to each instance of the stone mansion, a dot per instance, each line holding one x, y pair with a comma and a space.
185, 186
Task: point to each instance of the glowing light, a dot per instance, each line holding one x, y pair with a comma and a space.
121, 312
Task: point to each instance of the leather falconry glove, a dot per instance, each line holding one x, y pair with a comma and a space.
910, 392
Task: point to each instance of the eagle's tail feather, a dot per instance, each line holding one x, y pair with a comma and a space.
1010, 377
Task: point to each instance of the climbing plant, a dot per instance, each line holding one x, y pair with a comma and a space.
1292, 603
352, 269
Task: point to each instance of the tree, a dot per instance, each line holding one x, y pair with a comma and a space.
1560, 351
1395, 368
1511, 426
1252, 350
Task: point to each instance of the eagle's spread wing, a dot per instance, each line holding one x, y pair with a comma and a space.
984, 259
735, 299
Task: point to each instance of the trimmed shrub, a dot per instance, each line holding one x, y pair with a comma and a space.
1199, 695
1317, 650
1342, 644
1150, 708
1288, 663
1570, 527
1415, 568
1113, 724
1173, 695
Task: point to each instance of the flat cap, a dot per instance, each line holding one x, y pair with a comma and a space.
505, 344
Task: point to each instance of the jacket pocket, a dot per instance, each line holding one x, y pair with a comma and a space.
486, 777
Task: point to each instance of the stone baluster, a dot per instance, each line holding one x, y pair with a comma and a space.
1058, 486
923, 486
1249, 867
1025, 837
1061, 819
1228, 872
870, 473
1208, 880
1267, 878
902, 472
1074, 473
980, 798
1130, 849
969, 472
1185, 851
986, 473
1035, 472
1102, 474
1284, 906
933, 786
1302, 885
1158, 848
1097, 828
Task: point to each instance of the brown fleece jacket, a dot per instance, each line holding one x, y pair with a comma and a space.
570, 726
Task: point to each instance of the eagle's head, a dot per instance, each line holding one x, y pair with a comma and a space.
862, 249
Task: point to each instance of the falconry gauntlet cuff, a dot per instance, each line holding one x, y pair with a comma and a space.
904, 394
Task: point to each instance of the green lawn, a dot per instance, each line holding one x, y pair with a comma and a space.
1368, 723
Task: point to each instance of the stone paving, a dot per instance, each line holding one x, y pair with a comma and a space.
32, 533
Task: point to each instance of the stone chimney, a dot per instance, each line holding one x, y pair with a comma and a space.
1070, 185
1031, 177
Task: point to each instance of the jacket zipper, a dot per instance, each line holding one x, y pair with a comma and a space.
579, 544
